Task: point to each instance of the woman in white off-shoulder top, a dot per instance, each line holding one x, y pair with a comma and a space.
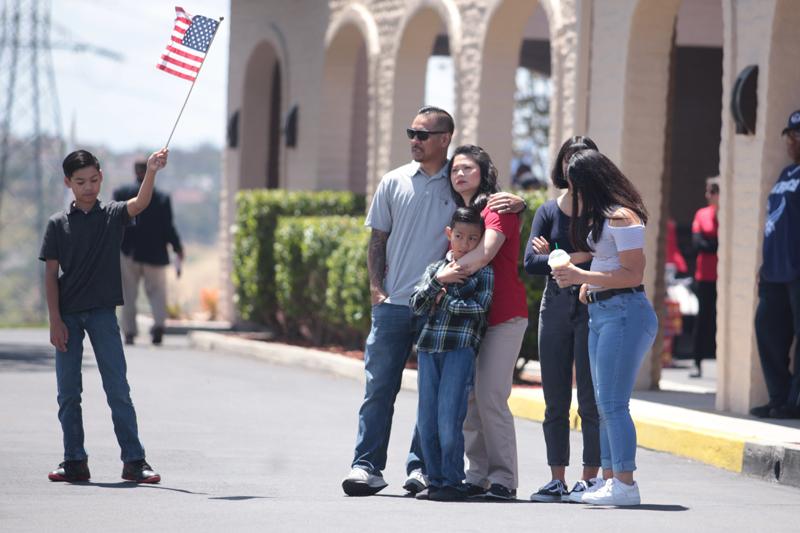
622, 324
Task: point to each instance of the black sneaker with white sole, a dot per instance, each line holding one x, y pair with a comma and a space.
474, 491
554, 492
500, 492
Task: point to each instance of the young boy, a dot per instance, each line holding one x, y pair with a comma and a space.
446, 351
83, 242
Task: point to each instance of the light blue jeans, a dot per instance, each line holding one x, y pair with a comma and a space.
444, 379
394, 330
621, 331
101, 325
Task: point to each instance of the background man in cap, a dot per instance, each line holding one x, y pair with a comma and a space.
144, 255
778, 313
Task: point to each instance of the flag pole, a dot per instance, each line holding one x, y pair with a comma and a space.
199, 69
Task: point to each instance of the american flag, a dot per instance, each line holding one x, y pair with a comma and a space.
189, 42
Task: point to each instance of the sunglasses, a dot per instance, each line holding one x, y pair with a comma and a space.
422, 135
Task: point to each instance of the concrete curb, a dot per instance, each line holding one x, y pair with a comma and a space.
776, 462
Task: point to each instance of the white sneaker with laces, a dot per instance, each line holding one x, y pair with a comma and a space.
416, 482
585, 487
614, 492
359, 482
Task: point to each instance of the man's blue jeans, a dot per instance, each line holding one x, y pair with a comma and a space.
101, 325
394, 330
445, 380
621, 331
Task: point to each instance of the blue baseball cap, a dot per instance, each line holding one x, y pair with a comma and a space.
793, 123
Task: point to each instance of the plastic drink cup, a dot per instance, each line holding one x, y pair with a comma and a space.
558, 258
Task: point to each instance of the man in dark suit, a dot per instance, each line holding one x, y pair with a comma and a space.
144, 255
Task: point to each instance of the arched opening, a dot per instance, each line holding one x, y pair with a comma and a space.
691, 156
514, 117
343, 113
261, 123
423, 76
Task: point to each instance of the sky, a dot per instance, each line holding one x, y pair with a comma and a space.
131, 104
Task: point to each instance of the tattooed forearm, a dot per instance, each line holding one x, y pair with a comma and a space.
376, 259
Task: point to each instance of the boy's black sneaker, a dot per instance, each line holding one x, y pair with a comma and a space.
71, 471
448, 494
140, 472
474, 491
158, 335
500, 492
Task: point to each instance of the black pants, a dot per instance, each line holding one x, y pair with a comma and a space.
563, 340
777, 326
705, 325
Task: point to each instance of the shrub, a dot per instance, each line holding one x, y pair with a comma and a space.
303, 247
254, 235
347, 297
534, 285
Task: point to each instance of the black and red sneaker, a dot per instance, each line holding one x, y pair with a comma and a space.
140, 472
71, 471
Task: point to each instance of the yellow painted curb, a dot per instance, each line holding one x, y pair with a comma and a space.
714, 448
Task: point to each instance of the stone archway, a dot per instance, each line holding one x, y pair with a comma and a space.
416, 45
261, 123
343, 121
502, 52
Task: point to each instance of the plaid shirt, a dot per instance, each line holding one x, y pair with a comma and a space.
459, 319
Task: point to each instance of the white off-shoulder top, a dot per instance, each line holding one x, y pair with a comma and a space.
613, 240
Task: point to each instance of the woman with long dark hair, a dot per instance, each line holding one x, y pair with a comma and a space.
609, 221
489, 434
563, 340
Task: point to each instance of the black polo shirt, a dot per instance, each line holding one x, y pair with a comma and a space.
86, 246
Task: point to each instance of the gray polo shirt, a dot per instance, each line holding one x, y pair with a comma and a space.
86, 246
413, 209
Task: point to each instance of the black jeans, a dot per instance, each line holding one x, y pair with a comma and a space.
777, 326
563, 340
705, 326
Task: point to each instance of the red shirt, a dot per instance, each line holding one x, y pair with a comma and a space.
705, 222
674, 255
508, 299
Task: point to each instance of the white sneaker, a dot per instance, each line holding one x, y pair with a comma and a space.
359, 482
584, 487
416, 482
614, 492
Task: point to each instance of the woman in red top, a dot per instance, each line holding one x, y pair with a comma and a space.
489, 435
704, 239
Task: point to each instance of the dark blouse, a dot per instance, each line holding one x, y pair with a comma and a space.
551, 223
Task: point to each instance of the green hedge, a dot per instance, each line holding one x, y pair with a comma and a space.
299, 268
254, 238
311, 274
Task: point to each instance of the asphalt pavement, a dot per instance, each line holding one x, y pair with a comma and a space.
244, 445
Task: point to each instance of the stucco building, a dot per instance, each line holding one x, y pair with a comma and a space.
321, 91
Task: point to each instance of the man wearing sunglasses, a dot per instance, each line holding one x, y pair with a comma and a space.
410, 209
778, 313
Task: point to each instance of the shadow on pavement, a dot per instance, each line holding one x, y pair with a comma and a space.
643, 507
26, 358
240, 498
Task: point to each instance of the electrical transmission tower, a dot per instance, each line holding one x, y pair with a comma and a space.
31, 143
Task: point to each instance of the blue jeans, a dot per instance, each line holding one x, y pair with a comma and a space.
394, 330
445, 380
621, 331
101, 325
